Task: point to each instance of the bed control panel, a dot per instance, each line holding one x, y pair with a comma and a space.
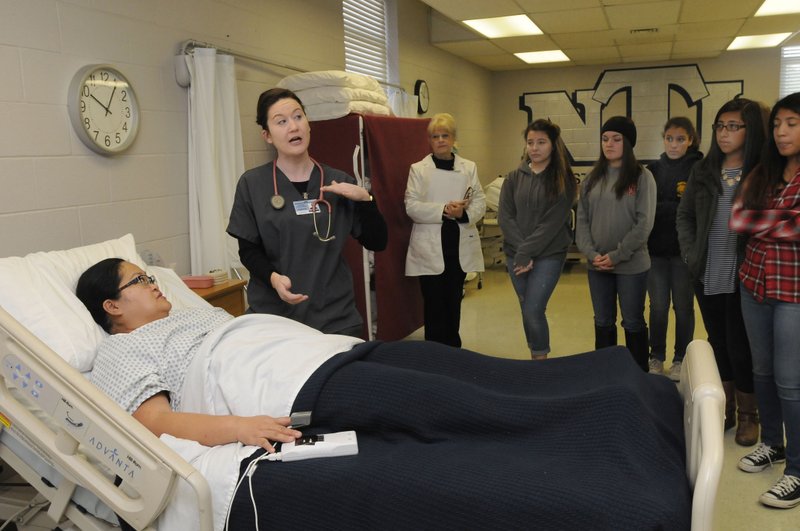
29, 384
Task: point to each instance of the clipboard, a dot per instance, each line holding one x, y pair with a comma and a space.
445, 186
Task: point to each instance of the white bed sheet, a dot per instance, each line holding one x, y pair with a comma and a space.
243, 369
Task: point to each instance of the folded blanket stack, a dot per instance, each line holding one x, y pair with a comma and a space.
330, 94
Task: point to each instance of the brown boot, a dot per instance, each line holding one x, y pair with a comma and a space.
730, 404
747, 431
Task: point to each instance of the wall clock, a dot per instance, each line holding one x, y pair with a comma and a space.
423, 95
103, 109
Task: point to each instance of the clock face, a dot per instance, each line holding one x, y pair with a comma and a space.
423, 95
103, 109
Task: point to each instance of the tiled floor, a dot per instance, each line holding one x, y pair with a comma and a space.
491, 323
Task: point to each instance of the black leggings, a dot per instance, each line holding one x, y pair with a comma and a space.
722, 317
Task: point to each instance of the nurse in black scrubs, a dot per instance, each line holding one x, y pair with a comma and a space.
292, 217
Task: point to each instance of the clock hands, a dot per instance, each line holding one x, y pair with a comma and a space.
108, 111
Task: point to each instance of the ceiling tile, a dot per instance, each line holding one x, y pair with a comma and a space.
717, 28
470, 48
584, 40
644, 15
701, 46
598, 52
706, 10
531, 43
502, 62
638, 50
445, 29
776, 24
569, 21
544, 6
469, 9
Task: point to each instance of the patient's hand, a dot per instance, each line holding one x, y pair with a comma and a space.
259, 431
283, 285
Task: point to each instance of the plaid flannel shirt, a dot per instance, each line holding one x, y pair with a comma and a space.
771, 267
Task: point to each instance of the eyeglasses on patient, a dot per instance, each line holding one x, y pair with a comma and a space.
140, 279
731, 127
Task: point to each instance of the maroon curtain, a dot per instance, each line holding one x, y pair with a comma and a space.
392, 145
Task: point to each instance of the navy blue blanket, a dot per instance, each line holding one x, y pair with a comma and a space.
451, 439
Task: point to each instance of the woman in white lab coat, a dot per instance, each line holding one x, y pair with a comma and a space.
444, 198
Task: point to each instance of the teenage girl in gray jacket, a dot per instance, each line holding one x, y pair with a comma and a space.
615, 215
535, 210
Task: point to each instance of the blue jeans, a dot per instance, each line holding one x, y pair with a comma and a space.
605, 288
533, 290
772, 330
669, 278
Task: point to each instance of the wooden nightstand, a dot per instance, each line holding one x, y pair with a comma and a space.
229, 295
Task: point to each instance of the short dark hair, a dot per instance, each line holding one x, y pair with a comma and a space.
270, 97
687, 125
96, 285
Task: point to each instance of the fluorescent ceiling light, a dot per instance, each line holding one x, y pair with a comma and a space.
549, 56
778, 7
758, 41
497, 27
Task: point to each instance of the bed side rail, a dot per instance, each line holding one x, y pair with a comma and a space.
704, 403
87, 428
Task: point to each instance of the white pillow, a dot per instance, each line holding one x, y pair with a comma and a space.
312, 96
330, 111
38, 290
322, 78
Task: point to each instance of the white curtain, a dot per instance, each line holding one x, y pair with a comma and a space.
216, 159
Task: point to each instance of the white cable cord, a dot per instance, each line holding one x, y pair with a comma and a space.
248, 473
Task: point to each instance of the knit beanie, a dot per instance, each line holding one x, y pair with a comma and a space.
622, 125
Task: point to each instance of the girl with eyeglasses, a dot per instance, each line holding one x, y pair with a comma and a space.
768, 211
668, 279
714, 253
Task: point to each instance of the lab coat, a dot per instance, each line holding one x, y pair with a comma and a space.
424, 255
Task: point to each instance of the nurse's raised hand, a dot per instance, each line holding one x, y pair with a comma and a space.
350, 191
283, 285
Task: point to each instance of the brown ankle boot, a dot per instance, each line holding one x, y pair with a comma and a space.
747, 430
730, 404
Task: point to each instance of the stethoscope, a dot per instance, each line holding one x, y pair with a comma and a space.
278, 202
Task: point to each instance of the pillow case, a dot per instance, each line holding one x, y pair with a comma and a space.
38, 290
336, 78
312, 96
329, 111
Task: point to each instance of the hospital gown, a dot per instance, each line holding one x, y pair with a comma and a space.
133, 367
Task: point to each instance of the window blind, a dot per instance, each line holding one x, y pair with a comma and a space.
790, 70
365, 37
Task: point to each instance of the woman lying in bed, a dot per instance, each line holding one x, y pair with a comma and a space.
465, 440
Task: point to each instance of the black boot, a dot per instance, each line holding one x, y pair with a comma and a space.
637, 342
605, 336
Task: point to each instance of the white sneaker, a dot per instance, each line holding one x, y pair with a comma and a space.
675, 371
656, 366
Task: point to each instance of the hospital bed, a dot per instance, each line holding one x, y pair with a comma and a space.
88, 460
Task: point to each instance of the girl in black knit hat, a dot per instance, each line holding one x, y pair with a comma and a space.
615, 216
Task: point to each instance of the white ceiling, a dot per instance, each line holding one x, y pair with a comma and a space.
604, 31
